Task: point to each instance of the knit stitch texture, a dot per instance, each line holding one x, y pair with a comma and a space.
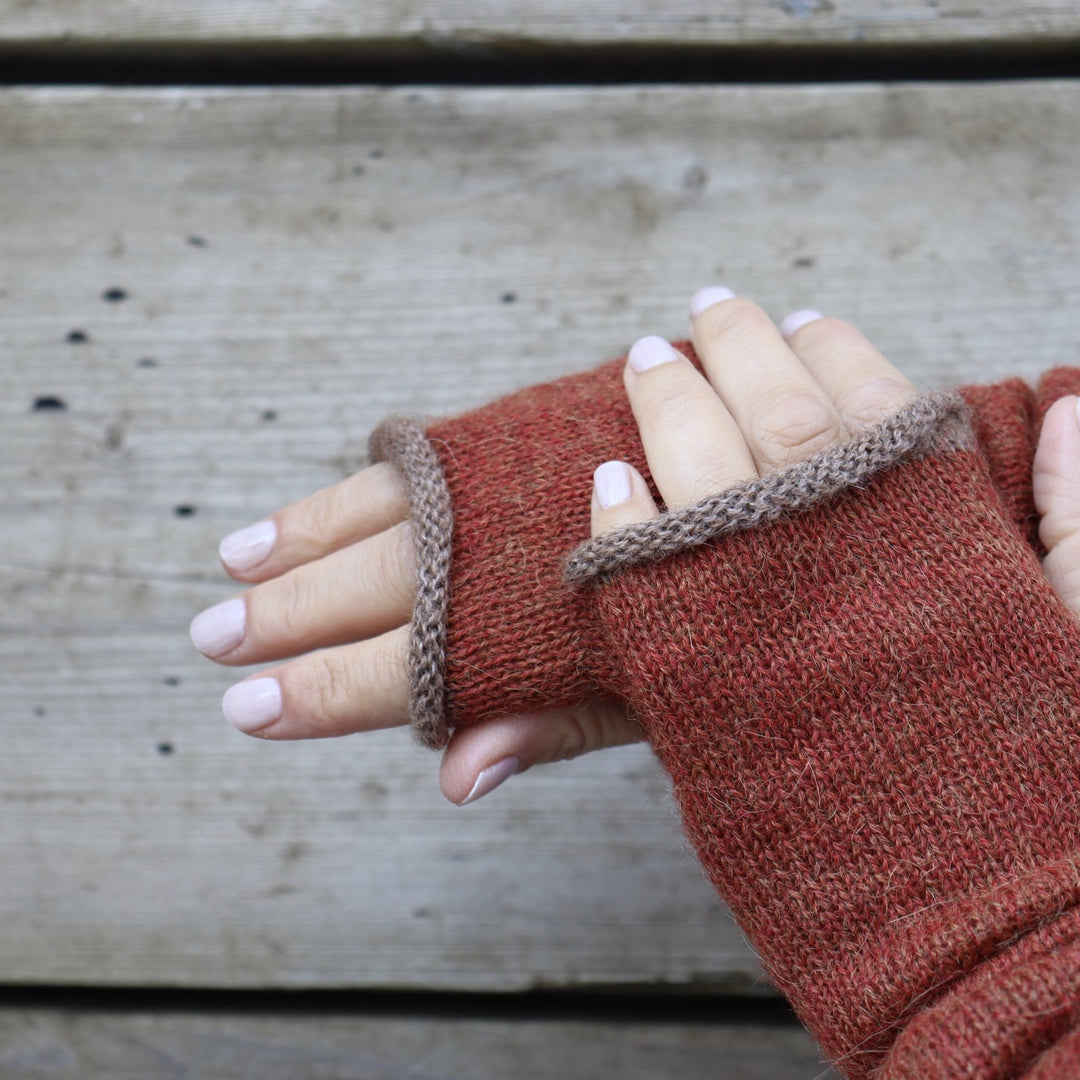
868, 710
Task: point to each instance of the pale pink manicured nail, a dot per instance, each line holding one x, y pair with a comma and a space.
705, 298
250, 706
798, 319
218, 629
491, 778
1078, 410
246, 548
650, 352
613, 484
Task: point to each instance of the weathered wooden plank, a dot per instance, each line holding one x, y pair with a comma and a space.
105, 1045
296, 264
72, 25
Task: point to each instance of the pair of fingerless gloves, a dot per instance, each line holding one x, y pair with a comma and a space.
865, 692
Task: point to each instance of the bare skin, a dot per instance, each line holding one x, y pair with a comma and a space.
332, 576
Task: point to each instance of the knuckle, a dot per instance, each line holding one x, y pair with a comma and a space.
391, 569
290, 607
796, 427
595, 726
583, 733
738, 315
322, 514
326, 687
873, 400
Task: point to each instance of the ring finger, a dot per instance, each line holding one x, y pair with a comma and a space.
863, 385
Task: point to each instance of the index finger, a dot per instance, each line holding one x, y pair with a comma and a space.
324, 522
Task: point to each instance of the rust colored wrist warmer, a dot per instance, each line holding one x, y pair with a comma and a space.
497, 630
870, 712
867, 701
854, 671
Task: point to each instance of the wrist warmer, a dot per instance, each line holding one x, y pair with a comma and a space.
501, 494
869, 709
855, 673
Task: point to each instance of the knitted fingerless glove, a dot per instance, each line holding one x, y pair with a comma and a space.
869, 707
865, 695
501, 494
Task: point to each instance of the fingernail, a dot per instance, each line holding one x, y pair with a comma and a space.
250, 706
1078, 410
798, 319
246, 548
491, 778
613, 484
218, 629
650, 352
705, 298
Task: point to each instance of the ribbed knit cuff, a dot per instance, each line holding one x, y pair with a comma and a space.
935, 422
403, 443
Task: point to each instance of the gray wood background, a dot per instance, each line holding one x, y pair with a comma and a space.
292, 265
75, 24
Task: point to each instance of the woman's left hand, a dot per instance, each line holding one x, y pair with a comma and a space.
771, 396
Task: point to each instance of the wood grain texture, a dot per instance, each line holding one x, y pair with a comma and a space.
484, 25
294, 265
88, 1044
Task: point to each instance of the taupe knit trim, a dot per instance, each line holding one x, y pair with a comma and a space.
931, 423
403, 443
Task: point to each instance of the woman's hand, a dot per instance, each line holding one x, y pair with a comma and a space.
333, 575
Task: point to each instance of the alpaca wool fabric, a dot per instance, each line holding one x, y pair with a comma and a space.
432, 520
869, 714
927, 423
867, 707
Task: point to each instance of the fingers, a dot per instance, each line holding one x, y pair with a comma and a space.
361, 506
783, 412
770, 397
863, 386
620, 497
693, 445
1056, 483
360, 591
479, 759
358, 687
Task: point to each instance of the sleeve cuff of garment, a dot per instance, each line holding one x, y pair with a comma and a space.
932, 423
403, 444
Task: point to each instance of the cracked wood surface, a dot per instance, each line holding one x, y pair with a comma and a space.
207, 299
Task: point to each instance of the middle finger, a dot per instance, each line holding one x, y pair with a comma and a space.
783, 412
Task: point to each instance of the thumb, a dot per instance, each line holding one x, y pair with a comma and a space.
1056, 486
479, 759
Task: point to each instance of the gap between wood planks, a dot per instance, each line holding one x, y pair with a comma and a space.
509, 62
632, 1004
